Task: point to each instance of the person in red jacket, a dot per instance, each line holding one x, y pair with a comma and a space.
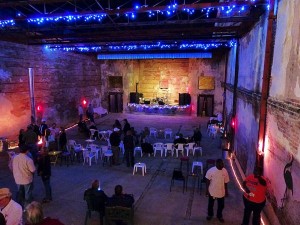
255, 186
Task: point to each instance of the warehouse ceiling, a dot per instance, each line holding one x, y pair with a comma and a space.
147, 24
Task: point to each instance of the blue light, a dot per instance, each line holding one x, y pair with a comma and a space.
154, 56
4, 23
131, 48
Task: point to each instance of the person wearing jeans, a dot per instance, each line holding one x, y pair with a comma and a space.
23, 170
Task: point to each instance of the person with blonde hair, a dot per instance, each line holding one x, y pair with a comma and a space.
35, 216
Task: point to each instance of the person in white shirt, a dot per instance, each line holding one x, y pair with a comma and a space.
11, 210
23, 170
216, 188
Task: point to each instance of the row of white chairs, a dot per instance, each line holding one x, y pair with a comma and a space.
168, 133
178, 148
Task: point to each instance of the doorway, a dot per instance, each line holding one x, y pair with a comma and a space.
115, 102
205, 105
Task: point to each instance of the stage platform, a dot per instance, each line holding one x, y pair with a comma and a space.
154, 109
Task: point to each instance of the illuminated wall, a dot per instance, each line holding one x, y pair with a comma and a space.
178, 75
282, 158
282, 142
61, 81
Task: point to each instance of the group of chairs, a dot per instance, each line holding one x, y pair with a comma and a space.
166, 148
167, 132
90, 153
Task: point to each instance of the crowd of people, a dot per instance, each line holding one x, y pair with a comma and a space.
35, 159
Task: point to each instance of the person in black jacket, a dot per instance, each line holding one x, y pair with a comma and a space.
44, 171
126, 127
96, 199
129, 147
115, 140
121, 199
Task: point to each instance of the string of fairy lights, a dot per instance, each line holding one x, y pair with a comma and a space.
144, 47
133, 13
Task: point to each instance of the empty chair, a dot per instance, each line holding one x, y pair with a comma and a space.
197, 164
179, 148
153, 131
190, 148
169, 148
197, 148
158, 147
168, 133
88, 156
96, 149
177, 175
92, 134
138, 149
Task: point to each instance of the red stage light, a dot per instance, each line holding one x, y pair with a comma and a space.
84, 102
39, 108
233, 122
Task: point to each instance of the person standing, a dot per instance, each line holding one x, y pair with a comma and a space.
23, 170
62, 139
126, 126
11, 210
43, 128
30, 139
90, 113
80, 113
216, 188
44, 171
255, 186
115, 140
129, 148
197, 136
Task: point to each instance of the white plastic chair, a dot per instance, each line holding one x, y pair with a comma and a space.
153, 131
168, 132
96, 149
88, 156
189, 147
197, 148
158, 147
121, 146
169, 147
138, 149
179, 147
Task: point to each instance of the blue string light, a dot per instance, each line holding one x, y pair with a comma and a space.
146, 47
169, 10
4, 23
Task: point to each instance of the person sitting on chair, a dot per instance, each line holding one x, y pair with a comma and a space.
180, 140
121, 199
96, 198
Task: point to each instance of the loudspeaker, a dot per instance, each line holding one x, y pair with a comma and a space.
134, 97
184, 99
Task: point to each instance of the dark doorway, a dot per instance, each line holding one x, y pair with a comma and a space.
205, 105
115, 101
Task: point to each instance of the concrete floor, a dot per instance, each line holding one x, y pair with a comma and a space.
154, 203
